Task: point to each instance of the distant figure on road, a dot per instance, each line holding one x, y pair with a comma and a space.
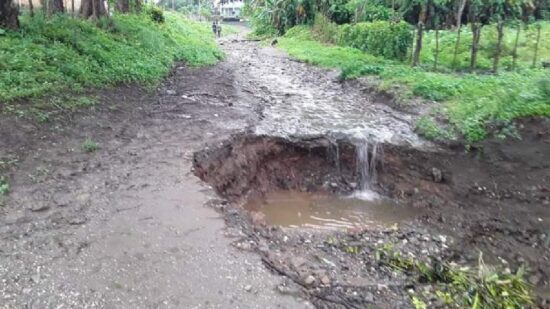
215, 27
219, 30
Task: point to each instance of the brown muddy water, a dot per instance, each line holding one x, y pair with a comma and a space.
322, 211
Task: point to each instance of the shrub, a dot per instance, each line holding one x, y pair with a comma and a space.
369, 12
156, 14
325, 30
544, 85
381, 38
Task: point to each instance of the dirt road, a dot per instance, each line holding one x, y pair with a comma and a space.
126, 226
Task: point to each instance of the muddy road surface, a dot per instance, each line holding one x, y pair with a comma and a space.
130, 225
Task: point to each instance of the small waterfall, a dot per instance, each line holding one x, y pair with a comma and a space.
367, 158
334, 154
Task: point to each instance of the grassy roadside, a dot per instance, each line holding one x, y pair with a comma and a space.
469, 103
46, 65
61, 53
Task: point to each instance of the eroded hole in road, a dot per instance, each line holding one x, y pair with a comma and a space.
320, 182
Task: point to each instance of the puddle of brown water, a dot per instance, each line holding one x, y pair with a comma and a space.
301, 209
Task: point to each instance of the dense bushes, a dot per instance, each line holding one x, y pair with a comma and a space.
380, 38
324, 30
48, 55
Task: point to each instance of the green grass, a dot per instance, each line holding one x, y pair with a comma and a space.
89, 145
470, 102
461, 287
56, 54
4, 186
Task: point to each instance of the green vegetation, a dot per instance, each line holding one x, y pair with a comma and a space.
461, 287
525, 47
4, 186
379, 38
89, 145
469, 101
489, 72
60, 53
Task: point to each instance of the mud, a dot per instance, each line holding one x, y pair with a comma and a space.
125, 226
467, 198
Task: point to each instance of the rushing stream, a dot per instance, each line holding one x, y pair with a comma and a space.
297, 99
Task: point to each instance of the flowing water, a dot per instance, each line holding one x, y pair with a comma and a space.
312, 210
298, 99
367, 163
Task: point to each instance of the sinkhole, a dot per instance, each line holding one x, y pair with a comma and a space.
314, 182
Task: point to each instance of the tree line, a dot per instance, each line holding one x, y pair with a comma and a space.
424, 15
89, 9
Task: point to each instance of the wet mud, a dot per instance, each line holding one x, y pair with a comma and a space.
467, 198
125, 226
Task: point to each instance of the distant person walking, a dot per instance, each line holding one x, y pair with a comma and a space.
219, 30
215, 27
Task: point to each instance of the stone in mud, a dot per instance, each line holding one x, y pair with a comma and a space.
325, 280
437, 175
171, 92
309, 280
40, 206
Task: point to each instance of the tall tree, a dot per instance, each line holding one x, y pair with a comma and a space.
498, 48
475, 24
458, 17
8, 15
31, 8
53, 6
92, 9
122, 6
422, 16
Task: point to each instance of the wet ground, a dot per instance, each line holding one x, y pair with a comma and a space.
126, 226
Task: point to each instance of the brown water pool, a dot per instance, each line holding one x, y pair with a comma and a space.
314, 210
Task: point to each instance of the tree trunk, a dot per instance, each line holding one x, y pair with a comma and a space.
419, 33
122, 6
137, 6
457, 46
459, 12
412, 46
515, 51
54, 7
498, 48
476, 32
92, 9
8, 15
458, 18
536, 46
436, 54
31, 8
418, 45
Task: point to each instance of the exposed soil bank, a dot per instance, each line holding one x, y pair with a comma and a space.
494, 198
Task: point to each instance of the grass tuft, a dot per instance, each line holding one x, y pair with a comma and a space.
89, 145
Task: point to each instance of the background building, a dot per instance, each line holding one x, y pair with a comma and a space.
229, 9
